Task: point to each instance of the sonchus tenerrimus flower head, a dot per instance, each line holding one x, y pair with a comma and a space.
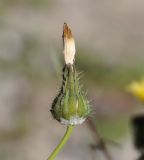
70, 107
137, 89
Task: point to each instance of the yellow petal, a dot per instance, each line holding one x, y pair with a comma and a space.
137, 89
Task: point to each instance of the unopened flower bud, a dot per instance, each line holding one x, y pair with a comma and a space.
68, 45
70, 107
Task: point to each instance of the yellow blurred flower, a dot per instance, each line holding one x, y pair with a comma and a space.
137, 89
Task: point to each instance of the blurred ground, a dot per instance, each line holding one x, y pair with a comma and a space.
109, 40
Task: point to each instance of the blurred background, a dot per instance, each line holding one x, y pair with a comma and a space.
109, 39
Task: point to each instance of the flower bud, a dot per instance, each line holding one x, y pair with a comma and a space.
70, 107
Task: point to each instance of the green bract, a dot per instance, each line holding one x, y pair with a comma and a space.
70, 106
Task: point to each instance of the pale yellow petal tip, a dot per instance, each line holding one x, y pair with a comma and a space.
137, 89
68, 45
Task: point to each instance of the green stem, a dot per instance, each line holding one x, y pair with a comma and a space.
62, 143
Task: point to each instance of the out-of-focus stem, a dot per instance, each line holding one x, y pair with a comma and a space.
101, 143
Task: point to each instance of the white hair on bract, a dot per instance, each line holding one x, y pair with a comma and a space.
75, 120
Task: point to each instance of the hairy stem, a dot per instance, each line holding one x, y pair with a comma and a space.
62, 142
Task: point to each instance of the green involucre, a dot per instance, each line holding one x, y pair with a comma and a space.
71, 105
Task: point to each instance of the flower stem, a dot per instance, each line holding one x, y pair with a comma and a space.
62, 142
